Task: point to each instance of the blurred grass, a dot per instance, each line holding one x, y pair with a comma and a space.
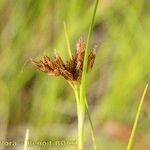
45, 104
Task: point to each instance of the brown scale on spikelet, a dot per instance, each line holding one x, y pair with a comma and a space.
72, 69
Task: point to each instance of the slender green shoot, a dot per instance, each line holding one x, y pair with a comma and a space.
26, 140
67, 40
78, 107
82, 102
75, 88
83, 81
88, 113
129, 146
76, 92
91, 125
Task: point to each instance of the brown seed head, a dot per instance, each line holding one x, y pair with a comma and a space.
72, 69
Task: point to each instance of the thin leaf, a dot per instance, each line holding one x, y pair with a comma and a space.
67, 40
26, 140
130, 143
83, 80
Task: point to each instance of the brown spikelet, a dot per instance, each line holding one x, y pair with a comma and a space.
80, 49
72, 69
91, 58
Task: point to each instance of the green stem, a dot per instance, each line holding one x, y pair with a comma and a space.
136, 120
75, 89
91, 125
78, 110
26, 140
81, 101
67, 40
83, 80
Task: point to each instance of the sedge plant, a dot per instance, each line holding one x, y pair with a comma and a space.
75, 72
72, 72
81, 93
76, 92
83, 80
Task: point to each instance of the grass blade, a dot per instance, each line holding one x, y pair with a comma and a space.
91, 125
89, 116
26, 140
75, 89
136, 120
82, 102
83, 81
67, 40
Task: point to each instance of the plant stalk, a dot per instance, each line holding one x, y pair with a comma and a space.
25, 147
83, 79
129, 146
91, 125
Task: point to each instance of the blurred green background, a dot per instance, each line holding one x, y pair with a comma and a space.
46, 105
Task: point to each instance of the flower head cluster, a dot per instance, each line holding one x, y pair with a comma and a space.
72, 69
